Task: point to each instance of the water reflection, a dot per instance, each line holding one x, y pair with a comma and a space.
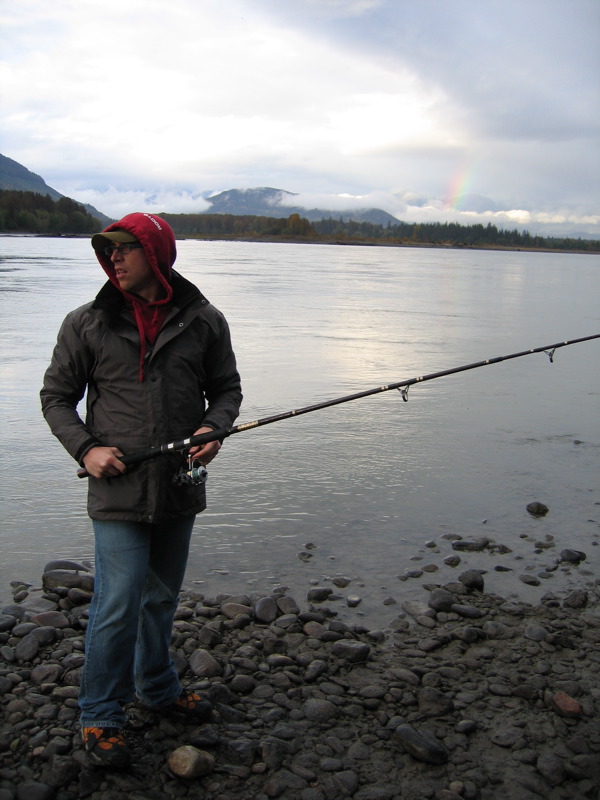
368, 483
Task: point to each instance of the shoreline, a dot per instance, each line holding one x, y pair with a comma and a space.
464, 695
329, 241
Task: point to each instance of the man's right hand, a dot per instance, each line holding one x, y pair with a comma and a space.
104, 462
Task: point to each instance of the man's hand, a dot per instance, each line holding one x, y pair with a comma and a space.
104, 462
206, 452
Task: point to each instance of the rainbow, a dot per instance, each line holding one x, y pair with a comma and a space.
459, 186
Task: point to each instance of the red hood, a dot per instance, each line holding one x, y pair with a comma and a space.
157, 239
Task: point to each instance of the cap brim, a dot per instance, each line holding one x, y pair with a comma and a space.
100, 240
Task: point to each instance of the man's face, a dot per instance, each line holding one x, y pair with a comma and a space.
135, 274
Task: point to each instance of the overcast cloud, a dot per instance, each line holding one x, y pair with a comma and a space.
474, 110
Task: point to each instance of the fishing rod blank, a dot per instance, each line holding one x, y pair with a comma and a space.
183, 445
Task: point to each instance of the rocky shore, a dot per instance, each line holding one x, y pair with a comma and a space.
465, 694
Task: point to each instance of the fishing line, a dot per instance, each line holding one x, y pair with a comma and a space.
403, 387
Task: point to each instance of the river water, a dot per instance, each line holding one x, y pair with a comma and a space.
372, 485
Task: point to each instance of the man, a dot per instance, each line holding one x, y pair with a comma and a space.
156, 360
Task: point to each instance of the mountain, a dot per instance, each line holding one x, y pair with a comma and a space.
16, 177
267, 202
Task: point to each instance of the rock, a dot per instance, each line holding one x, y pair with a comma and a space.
470, 612
204, 665
530, 580
7, 621
565, 705
318, 594
346, 781
537, 509
441, 600
471, 546
318, 711
242, 684
70, 580
308, 704
314, 670
535, 632
287, 605
551, 768
452, 561
61, 770
266, 610
472, 579
416, 608
33, 790
233, 610
75, 566
506, 737
27, 648
79, 597
52, 619
420, 746
189, 762
341, 581
351, 650
576, 599
434, 703
46, 673
572, 556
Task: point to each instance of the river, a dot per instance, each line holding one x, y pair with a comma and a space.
373, 486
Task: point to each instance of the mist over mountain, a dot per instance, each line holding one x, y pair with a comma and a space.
261, 201
268, 202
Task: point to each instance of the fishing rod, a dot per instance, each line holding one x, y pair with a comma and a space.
196, 471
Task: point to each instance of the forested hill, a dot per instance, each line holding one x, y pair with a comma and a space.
16, 177
29, 212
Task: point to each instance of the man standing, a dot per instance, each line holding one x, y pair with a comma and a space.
156, 360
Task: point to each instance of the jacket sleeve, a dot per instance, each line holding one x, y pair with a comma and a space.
64, 386
223, 386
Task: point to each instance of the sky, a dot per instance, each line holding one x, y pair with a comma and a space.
433, 110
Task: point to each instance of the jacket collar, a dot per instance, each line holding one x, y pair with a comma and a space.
109, 298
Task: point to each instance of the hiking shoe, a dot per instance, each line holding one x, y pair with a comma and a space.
189, 706
106, 746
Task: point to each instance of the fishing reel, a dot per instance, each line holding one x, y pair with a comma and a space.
192, 474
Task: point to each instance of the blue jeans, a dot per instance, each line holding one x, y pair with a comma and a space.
139, 572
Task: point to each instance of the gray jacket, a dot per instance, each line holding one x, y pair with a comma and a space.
190, 380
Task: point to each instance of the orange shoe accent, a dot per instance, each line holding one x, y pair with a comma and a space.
106, 746
191, 706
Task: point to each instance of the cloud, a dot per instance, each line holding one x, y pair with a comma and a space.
473, 210
120, 202
352, 97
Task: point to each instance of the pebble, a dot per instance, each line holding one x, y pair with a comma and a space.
471, 694
189, 762
472, 579
420, 746
537, 509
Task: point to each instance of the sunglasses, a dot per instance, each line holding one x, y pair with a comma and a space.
122, 249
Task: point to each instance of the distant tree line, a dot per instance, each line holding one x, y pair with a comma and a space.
30, 212
446, 233
423, 233
232, 225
